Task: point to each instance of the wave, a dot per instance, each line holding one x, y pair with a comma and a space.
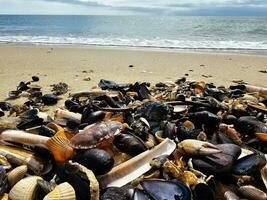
133, 42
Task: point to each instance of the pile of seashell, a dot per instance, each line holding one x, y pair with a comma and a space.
174, 140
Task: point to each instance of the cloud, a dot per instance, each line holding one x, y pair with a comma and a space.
165, 7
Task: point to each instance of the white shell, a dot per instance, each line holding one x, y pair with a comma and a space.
17, 174
63, 191
24, 189
136, 166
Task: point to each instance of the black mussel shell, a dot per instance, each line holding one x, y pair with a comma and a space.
203, 191
35, 78
3, 181
162, 190
29, 114
240, 87
248, 125
2, 113
106, 84
169, 131
204, 117
23, 86
93, 117
70, 173
153, 111
49, 99
142, 90
97, 160
132, 145
229, 119
139, 195
218, 163
14, 94
115, 193
5, 106
46, 131
249, 165
70, 103
36, 121
43, 188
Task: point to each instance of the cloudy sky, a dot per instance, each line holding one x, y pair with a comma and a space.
127, 7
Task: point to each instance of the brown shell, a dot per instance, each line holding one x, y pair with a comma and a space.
17, 174
251, 192
96, 134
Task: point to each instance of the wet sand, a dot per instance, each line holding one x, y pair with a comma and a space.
82, 68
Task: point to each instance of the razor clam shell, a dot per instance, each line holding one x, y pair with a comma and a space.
63, 191
250, 192
136, 166
24, 189
20, 156
17, 174
62, 116
23, 137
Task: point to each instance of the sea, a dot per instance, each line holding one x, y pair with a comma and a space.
193, 33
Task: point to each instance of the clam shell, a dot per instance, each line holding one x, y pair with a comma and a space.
60, 147
63, 191
250, 192
17, 174
24, 189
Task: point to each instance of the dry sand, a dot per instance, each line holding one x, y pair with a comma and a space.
73, 64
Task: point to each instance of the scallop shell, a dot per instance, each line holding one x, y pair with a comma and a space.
17, 174
63, 191
24, 189
60, 147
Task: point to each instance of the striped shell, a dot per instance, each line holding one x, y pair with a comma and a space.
17, 174
250, 192
24, 189
60, 148
63, 191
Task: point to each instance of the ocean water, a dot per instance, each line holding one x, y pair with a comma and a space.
248, 34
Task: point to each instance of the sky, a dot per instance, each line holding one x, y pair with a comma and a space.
132, 7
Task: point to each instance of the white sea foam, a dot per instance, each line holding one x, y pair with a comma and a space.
133, 42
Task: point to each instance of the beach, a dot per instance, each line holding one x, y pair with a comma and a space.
82, 67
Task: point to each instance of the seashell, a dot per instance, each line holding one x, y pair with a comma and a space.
3, 181
249, 165
180, 108
261, 90
17, 174
62, 116
4, 162
20, 156
135, 167
43, 188
200, 87
25, 189
64, 191
49, 99
130, 144
4, 196
97, 160
60, 147
264, 175
252, 193
229, 195
171, 190
96, 134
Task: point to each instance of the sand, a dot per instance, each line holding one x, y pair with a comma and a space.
82, 68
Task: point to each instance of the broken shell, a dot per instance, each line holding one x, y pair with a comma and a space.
64, 191
4, 162
17, 174
3, 181
25, 189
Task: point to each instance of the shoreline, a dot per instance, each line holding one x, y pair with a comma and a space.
225, 51
82, 68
